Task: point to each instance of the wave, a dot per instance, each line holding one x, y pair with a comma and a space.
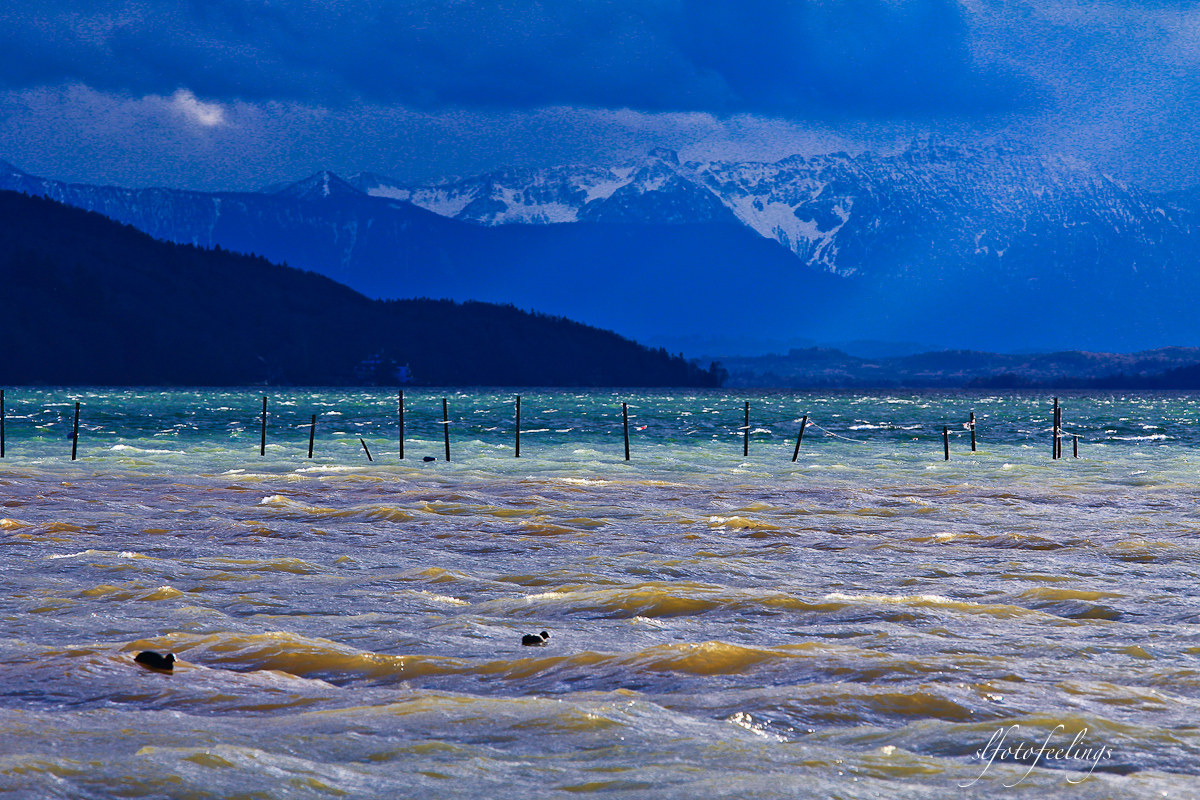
651, 600
295, 509
125, 448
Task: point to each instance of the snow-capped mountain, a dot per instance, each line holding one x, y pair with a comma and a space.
639, 279
644, 189
985, 247
848, 215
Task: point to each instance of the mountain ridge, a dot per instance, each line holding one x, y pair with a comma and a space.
980, 248
614, 275
805, 202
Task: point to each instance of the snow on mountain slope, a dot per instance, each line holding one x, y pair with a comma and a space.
545, 196
509, 196
989, 245
848, 215
931, 210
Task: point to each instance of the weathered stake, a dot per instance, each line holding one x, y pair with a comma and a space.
746, 435
262, 443
1054, 436
946, 441
625, 419
400, 412
312, 434
1058, 434
972, 431
366, 449
446, 426
1076, 447
75, 433
518, 454
800, 438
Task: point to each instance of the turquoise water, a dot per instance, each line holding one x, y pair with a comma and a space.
859, 623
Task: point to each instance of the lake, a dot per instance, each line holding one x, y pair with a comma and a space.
867, 621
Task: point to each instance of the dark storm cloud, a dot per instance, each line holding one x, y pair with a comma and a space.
776, 57
891, 57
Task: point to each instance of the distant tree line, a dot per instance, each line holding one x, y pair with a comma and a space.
1185, 378
89, 301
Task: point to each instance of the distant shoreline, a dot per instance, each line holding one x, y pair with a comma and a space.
818, 368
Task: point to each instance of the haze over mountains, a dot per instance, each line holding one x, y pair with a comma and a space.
986, 248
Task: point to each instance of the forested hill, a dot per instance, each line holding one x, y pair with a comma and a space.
90, 301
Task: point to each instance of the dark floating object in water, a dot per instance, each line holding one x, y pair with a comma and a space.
153, 660
428, 459
535, 640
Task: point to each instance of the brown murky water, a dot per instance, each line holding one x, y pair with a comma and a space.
869, 621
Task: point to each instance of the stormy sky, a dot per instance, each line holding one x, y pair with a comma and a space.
235, 94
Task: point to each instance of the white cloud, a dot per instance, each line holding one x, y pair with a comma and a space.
209, 115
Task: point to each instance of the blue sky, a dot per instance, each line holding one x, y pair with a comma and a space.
229, 94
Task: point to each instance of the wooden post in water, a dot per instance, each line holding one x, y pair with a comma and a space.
365, 448
1054, 436
946, 440
312, 434
262, 443
1076, 447
800, 438
625, 420
1, 423
400, 412
446, 426
75, 433
746, 433
518, 453
1058, 434
972, 431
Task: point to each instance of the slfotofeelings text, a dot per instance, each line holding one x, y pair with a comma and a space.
1005, 747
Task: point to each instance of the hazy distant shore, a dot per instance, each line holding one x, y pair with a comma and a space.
827, 368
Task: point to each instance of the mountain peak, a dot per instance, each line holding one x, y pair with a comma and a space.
319, 186
665, 154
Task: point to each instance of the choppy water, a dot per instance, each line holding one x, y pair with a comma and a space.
857, 624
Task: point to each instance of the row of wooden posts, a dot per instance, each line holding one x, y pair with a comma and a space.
312, 431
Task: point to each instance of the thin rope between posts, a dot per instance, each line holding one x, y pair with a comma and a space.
836, 436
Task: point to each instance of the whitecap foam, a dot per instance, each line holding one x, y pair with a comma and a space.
441, 598
934, 599
75, 555
544, 596
126, 448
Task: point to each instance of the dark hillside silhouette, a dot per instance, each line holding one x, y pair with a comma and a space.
90, 301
